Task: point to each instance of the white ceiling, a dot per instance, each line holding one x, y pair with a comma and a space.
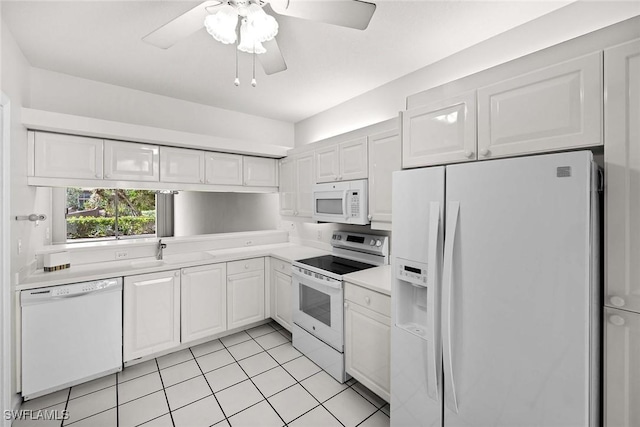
327, 65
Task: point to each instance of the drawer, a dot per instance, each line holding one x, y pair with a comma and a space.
283, 267
245, 265
367, 298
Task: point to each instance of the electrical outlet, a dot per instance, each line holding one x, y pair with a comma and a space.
319, 234
122, 255
47, 233
19, 246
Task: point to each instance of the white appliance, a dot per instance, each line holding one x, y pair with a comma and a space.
70, 334
318, 296
496, 294
342, 202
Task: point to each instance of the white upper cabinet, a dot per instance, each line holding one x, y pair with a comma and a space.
304, 181
151, 313
622, 176
260, 172
555, 108
444, 131
341, 162
223, 169
327, 164
66, 156
129, 161
353, 159
622, 368
287, 188
203, 301
181, 165
384, 159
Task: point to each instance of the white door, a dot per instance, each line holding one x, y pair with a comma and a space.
287, 187
260, 172
384, 158
622, 176
555, 108
517, 304
224, 169
367, 348
67, 156
622, 368
203, 301
353, 159
283, 303
151, 307
327, 165
245, 298
442, 132
181, 165
305, 178
130, 161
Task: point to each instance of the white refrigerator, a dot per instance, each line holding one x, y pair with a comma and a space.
496, 294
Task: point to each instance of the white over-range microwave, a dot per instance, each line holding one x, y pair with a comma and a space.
343, 202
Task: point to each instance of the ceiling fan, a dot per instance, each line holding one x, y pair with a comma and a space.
346, 13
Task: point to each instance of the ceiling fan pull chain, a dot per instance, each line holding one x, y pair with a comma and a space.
237, 80
253, 80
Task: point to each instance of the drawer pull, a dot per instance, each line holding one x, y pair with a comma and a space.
246, 266
367, 300
617, 320
617, 301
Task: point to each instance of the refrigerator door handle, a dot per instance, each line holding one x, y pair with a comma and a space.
453, 209
433, 355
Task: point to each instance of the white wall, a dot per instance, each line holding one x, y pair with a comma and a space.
62, 93
24, 199
386, 101
209, 213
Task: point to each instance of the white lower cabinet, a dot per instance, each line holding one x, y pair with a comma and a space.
203, 301
151, 311
282, 305
245, 292
622, 368
368, 338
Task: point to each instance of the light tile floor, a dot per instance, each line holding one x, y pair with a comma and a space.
252, 378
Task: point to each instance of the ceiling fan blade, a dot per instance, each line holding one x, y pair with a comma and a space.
346, 13
272, 61
183, 26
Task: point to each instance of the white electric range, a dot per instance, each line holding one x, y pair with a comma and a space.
318, 296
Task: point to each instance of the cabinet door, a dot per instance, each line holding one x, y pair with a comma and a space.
287, 188
203, 301
622, 368
304, 180
224, 169
260, 172
151, 313
66, 156
353, 159
555, 108
245, 298
327, 167
283, 303
384, 159
368, 348
441, 132
622, 176
181, 165
131, 162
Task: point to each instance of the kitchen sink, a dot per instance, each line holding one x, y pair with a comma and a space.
148, 263
187, 257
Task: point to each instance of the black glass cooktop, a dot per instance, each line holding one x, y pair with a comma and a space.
336, 264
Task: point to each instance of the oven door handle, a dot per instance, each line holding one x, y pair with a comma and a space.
304, 279
345, 202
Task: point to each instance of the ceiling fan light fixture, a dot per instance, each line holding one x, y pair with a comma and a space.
222, 25
248, 42
263, 27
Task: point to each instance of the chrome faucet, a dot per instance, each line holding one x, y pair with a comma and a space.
161, 246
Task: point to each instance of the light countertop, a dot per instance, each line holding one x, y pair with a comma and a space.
87, 272
377, 279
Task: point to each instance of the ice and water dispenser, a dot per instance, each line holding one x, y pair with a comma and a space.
413, 300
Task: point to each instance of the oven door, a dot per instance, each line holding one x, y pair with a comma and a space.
318, 308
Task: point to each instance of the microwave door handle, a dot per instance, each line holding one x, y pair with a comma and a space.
345, 202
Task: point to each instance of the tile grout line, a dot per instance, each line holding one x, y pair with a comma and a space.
210, 388
165, 394
254, 384
117, 403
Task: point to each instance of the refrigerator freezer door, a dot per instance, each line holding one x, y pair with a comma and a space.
521, 296
418, 201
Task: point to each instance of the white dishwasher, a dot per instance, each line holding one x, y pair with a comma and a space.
70, 334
